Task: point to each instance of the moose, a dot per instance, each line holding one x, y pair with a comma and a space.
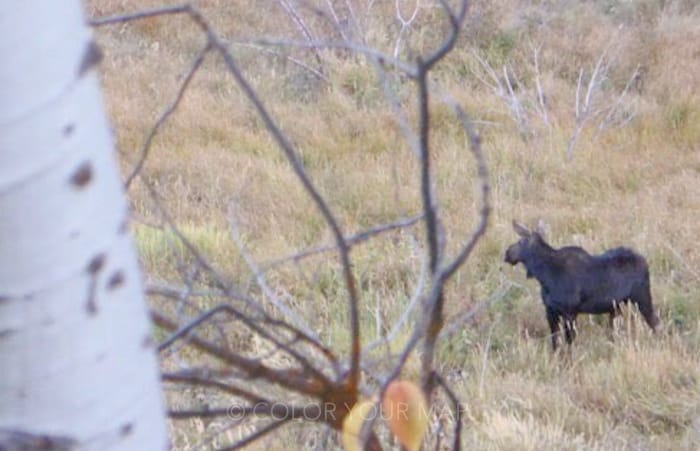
572, 281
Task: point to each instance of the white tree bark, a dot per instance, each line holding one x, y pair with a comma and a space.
77, 365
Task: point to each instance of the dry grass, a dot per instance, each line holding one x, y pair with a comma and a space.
638, 185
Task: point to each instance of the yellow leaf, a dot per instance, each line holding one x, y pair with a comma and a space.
352, 424
406, 410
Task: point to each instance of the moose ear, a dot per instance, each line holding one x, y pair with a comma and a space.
520, 229
542, 228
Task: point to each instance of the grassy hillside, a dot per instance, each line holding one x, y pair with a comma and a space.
633, 179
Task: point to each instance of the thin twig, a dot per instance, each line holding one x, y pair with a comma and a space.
457, 322
186, 329
230, 310
538, 84
175, 292
352, 240
407, 312
456, 22
608, 119
372, 54
296, 18
203, 379
577, 109
252, 367
456, 408
165, 115
482, 173
584, 113
405, 23
260, 276
315, 72
336, 21
145, 14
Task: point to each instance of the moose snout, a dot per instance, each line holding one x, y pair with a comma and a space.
509, 257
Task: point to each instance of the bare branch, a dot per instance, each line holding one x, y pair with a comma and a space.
315, 72
352, 240
178, 293
577, 109
289, 8
538, 84
260, 277
429, 209
407, 312
203, 379
456, 408
145, 149
608, 119
482, 173
585, 113
145, 14
503, 88
456, 323
252, 367
456, 20
353, 17
372, 54
228, 309
174, 292
298, 21
405, 23
337, 22
186, 329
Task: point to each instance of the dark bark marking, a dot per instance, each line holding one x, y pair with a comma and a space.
126, 429
91, 58
68, 130
19, 440
123, 227
82, 175
116, 280
96, 263
91, 305
147, 342
6, 333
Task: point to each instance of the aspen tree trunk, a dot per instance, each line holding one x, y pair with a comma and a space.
77, 366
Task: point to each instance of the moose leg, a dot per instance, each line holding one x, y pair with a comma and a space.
553, 320
642, 297
569, 329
